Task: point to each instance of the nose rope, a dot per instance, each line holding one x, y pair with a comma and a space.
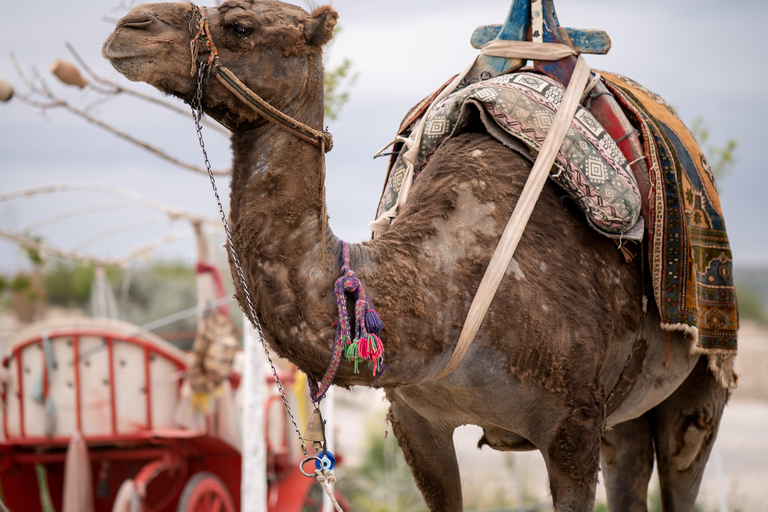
203, 35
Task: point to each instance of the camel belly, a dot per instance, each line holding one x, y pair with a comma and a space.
504, 440
668, 363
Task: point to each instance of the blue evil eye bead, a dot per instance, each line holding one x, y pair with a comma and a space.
326, 461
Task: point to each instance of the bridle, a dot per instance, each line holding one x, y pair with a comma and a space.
202, 42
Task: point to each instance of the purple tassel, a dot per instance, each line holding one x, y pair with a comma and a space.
373, 321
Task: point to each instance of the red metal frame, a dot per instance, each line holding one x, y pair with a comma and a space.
21, 393
147, 388
112, 399
76, 334
76, 370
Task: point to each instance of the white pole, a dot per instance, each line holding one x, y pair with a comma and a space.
253, 484
328, 408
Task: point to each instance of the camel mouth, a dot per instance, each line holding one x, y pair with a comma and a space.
138, 26
116, 54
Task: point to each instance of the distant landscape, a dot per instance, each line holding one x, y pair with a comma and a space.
752, 292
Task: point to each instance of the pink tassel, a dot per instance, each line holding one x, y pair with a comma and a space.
371, 348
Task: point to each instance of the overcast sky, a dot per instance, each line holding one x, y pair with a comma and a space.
703, 56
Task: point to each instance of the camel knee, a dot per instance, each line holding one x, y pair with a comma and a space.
576, 446
690, 443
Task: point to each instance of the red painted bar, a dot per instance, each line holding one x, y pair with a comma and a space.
76, 365
5, 409
113, 402
55, 333
112, 455
148, 387
21, 392
45, 370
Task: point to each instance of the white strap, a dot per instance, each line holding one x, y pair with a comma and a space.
517, 222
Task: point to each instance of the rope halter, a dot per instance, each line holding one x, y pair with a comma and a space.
202, 42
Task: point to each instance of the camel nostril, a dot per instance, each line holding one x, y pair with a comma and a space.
142, 23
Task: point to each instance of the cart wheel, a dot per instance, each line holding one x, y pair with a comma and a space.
205, 492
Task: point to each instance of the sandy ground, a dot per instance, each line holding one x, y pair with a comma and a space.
737, 470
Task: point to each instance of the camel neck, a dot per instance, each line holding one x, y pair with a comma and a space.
276, 211
277, 190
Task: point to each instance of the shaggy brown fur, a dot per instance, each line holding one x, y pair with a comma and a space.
558, 336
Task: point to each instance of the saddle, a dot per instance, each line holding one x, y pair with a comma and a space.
517, 109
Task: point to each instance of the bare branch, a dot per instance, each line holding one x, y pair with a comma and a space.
46, 249
115, 88
172, 213
157, 242
76, 212
116, 230
38, 85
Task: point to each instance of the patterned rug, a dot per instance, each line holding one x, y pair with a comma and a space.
518, 110
690, 257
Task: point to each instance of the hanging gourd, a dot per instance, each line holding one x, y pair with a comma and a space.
68, 73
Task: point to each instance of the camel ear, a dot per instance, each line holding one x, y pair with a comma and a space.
319, 28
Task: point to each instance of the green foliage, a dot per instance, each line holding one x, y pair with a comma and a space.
159, 290
35, 257
383, 483
751, 306
721, 159
21, 282
68, 284
338, 82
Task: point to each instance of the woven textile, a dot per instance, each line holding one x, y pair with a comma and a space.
592, 169
690, 257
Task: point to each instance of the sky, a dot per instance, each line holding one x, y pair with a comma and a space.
701, 55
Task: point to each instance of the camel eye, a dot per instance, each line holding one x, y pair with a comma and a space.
241, 30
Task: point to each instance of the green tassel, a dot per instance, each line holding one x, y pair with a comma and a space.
350, 354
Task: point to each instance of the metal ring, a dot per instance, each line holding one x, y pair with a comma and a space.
301, 466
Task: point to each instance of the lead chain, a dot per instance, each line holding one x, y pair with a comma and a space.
197, 114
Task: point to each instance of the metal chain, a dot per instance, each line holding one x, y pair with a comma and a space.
197, 114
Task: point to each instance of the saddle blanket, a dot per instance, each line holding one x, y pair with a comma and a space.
689, 253
518, 110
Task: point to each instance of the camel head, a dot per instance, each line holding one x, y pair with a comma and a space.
272, 47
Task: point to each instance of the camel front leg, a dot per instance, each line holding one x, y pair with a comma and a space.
429, 452
572, 454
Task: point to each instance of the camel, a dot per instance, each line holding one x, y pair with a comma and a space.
548, 369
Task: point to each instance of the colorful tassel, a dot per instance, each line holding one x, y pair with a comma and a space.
356, 342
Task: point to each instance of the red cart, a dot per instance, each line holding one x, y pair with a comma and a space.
120, 390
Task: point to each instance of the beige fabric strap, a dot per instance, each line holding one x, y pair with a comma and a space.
527, 50
517, 222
